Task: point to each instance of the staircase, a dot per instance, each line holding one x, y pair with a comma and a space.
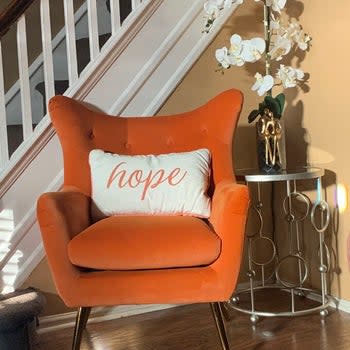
136, 61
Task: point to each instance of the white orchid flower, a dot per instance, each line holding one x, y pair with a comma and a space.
263, 84
237, 2
302, 40
281, 47
253, 49
235, 50
236, 44
212, 9
222, 56
274, 22
291, 31
242, 51
295, 33
277, 5
229, 3
289, 76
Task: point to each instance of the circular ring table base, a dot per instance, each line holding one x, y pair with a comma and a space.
233, 303
288, 244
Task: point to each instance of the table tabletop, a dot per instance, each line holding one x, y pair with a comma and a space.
302, 173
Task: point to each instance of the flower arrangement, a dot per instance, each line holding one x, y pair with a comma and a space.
279, 40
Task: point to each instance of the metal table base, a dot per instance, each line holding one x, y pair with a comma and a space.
319, 214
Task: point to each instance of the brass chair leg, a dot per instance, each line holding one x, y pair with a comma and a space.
216, 309
80, 324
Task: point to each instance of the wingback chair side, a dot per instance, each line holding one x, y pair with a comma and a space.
64, 214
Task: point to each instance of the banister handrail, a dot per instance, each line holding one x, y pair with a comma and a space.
12, 13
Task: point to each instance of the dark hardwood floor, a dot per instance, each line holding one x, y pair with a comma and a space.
192, 327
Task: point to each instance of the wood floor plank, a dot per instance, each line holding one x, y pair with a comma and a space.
192, 327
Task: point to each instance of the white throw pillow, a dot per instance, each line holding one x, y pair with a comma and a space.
166, 184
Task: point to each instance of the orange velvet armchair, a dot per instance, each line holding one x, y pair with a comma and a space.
66, 215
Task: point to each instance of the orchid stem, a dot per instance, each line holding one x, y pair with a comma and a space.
267, 31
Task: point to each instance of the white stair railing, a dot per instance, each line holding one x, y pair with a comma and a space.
93, 29
135, 3
27, 121
47, 49
4, 149
26, 105
115, 15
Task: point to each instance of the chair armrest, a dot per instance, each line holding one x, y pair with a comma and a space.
229, 200
230, 205
62, 215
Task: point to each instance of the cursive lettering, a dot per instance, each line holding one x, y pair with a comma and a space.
149, 181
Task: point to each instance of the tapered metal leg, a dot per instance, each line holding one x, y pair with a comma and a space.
80, 324
216, 309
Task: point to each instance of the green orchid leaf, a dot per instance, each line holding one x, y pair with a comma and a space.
252, 115
262, 106
281, 99
273, 105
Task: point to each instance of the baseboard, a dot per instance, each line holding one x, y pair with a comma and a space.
341, 304
98, 314
335, 302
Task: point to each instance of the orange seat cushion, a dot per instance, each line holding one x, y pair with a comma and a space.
145, 242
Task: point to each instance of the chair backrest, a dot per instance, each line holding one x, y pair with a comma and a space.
80, 130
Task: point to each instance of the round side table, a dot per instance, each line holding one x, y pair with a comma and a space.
319, 215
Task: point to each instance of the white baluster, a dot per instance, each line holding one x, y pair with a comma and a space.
24, 78
135, 3
70, 41
47, 49
115, 15
93, 29
4, 153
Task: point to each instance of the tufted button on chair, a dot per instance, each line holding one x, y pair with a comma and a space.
124, 260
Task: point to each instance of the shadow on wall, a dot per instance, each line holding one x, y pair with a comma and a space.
296, 136
309, 236
249, 24
329, 181
244, 148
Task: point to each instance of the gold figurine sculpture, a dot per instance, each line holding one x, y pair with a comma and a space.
270, 131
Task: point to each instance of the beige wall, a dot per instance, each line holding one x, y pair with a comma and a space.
316, 120
324, 114
315, 117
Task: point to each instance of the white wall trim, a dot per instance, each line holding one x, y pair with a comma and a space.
335, 302
341, 304
141, 77
99, 314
